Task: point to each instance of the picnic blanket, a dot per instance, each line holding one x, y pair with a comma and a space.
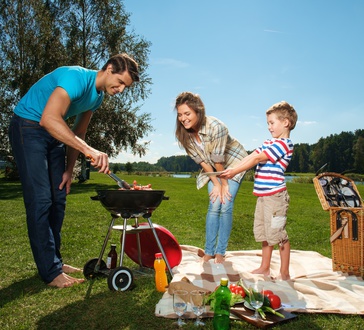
314, 287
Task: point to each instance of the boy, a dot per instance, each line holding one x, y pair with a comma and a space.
272, 159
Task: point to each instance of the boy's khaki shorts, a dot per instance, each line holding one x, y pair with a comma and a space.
270, 218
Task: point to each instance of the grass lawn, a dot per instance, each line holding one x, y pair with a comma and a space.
27, 303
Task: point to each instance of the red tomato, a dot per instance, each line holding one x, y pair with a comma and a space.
232, 288
240, 290
267, 293
275, 301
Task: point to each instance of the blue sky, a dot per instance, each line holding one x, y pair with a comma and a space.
242, 56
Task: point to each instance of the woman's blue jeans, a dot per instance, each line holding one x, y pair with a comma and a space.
219, 221
41, 163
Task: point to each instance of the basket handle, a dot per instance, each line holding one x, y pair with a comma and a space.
337, 233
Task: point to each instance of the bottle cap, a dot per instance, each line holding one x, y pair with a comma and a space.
224, 281
158, 255
113, 245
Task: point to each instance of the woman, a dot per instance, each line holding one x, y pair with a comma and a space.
207, 141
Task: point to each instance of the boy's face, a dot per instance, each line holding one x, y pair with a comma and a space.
278, 128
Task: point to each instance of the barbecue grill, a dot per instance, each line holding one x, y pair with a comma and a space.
133, 204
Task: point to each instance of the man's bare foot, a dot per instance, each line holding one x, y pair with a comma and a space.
219, 258
262, 271
70, 269
65, 281
207, 257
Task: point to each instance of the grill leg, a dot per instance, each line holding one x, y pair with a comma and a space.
97, 266
160, 246
123, 242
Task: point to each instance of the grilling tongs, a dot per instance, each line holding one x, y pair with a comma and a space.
121, 183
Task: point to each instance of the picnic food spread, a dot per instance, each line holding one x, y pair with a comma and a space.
240, 294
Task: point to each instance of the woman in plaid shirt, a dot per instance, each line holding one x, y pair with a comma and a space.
207, 141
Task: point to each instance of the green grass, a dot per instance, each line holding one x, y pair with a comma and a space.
27, 303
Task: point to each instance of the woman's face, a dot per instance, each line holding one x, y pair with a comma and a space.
187, 116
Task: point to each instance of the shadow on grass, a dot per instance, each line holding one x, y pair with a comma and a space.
16, 290
107, 310
11, 189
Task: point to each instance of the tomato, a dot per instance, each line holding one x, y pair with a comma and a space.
232, 288
240, 290
267, 293
275, 301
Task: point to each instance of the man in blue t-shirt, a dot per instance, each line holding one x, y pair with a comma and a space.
38, 135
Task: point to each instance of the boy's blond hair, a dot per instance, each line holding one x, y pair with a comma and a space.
284, 110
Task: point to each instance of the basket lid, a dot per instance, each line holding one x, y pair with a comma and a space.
336, 190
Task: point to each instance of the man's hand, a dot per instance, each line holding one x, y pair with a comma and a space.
66, 181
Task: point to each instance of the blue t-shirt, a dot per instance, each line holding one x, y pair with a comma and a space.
78, 82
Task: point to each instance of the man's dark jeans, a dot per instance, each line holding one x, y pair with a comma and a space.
41, 163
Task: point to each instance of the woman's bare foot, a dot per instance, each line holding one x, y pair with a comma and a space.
207, 257
70, 269
200, 253
65, 281
219, 258
262, 271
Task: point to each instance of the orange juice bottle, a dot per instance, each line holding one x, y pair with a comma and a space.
161, 281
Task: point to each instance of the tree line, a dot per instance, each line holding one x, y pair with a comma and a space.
342, 152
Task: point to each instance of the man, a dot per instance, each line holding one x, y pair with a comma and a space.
38, 135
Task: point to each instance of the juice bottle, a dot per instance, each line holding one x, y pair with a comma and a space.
161, 281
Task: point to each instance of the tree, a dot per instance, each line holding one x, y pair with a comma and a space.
358, 150
73, 32
129, 167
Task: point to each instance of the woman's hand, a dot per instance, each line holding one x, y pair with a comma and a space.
215, 192
225, 194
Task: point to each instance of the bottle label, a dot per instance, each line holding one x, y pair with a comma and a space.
108, 262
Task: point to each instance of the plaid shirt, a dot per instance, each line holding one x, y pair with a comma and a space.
217, 147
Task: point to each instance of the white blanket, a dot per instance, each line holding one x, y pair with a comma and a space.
314, 287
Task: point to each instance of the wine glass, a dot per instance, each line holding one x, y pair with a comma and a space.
180, 298
197, 299
256, 297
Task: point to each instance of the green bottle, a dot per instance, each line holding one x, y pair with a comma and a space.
221, 319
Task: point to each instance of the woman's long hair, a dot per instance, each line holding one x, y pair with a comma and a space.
194, 102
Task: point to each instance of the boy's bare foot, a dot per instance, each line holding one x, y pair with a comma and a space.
70, 269
219, 258
262, 271
284, 277
65, 281
207, 257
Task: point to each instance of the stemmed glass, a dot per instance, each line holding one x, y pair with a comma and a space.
256, 297
197, 299
180, 298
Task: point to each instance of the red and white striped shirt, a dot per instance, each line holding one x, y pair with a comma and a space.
269, 177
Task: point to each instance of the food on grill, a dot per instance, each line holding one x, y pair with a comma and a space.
137, 186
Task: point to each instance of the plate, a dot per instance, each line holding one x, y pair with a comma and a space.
247, 305
212, 173
149, 246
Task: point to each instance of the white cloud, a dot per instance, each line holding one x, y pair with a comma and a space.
306, 123
170, 62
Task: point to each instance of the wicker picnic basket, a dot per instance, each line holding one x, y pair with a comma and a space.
340, 196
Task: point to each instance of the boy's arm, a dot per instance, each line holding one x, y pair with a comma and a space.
247, 163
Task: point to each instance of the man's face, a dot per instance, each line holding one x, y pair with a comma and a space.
116, 82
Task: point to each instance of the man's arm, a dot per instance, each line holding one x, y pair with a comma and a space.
52, 120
